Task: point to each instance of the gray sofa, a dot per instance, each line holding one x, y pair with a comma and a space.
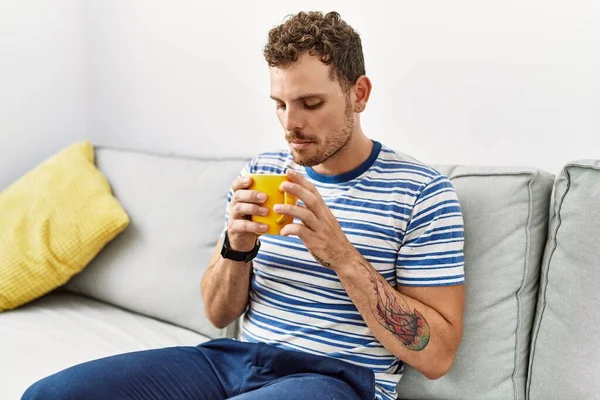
532, 322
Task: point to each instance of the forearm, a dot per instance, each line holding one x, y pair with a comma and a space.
225, 287
409, 329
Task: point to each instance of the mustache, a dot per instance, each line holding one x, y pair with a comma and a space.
296, 135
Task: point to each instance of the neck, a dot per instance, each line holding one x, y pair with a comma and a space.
354, 154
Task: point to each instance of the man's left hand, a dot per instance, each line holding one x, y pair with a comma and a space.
320, 231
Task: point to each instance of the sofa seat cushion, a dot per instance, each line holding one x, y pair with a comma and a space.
63, 329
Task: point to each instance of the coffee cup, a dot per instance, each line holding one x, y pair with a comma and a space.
270, 184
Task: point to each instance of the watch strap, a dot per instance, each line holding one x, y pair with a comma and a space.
241, 256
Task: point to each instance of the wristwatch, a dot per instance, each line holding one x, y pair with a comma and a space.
230, 254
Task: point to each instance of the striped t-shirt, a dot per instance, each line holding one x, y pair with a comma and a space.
401, 215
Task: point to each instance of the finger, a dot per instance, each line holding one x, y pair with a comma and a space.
243, 182
248, 196
307, 217
242, 210
311, 200
296, 230
298, 178
241, 226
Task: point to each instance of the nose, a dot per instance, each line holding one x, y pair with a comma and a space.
291, 121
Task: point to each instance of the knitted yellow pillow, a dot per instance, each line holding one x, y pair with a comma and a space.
53, 222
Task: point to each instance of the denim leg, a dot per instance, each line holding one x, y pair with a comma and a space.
273, 363
215, 370
302, 387
168, 373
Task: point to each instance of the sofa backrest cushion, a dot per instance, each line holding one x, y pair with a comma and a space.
176, 206
505, 213
565, 351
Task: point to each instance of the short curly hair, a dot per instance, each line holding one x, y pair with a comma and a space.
327, 36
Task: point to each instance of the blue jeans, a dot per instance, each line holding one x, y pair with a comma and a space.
217, 369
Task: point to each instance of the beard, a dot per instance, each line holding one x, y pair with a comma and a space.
335, 142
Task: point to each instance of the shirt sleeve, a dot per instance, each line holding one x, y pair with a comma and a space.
432, 250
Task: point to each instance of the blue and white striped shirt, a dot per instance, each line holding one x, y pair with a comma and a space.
401, 215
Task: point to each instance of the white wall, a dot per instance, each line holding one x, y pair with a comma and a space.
472, 82
478, 82
505, 82
43, 96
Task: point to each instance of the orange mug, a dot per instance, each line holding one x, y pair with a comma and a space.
270, 184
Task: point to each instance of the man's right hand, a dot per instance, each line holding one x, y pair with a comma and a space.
242, 231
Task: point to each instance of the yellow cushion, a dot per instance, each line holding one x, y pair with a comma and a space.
53, 222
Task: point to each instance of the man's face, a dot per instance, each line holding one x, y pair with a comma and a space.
313, 110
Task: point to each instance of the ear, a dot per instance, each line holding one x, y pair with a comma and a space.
362, 91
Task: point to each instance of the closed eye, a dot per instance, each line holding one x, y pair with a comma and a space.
313, 106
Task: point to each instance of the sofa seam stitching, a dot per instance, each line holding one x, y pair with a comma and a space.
521, 173
170, 155
545, 272
526, 267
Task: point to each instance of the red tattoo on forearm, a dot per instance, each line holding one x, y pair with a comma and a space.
410, 327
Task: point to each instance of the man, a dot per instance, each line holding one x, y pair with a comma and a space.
370, 275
